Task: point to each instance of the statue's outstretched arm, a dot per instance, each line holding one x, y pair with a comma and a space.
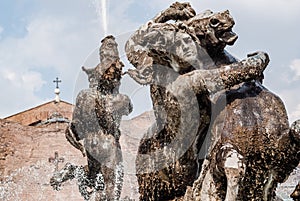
224, 77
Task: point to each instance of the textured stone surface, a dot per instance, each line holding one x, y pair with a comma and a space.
24, 165
254, 122
238, 122
25, 153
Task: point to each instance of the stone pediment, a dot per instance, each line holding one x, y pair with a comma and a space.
48, 112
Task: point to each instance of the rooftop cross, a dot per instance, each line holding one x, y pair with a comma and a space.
57, 81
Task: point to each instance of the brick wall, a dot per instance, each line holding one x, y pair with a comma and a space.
42, 113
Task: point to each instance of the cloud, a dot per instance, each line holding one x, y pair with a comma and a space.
295, 114
18, 91
291, 99
56, 42
29, 80
49, 42
1, 31
295, 67
278, 9
57, 38
119, 19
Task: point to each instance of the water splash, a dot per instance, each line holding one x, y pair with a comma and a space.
101, 10
104, 16
30, 182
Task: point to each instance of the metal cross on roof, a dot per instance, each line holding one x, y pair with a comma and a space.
57, 81
56, 160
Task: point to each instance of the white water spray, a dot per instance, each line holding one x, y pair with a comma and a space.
101, 9
104, 16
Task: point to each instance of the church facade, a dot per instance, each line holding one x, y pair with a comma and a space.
51, 111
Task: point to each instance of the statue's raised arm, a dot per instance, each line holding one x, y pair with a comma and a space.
213, 115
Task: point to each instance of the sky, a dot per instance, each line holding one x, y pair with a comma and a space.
44, 39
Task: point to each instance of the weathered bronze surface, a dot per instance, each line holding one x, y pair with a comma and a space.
94, 129
219, 133
204, 97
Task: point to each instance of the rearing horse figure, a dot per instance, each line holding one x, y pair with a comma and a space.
247, 125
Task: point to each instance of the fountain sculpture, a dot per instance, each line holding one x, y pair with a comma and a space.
219, 133
96, 121
250, 145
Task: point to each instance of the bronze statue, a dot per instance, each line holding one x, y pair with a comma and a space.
96, 121
219, 133
237, 119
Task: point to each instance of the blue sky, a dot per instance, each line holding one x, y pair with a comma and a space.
43, 39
